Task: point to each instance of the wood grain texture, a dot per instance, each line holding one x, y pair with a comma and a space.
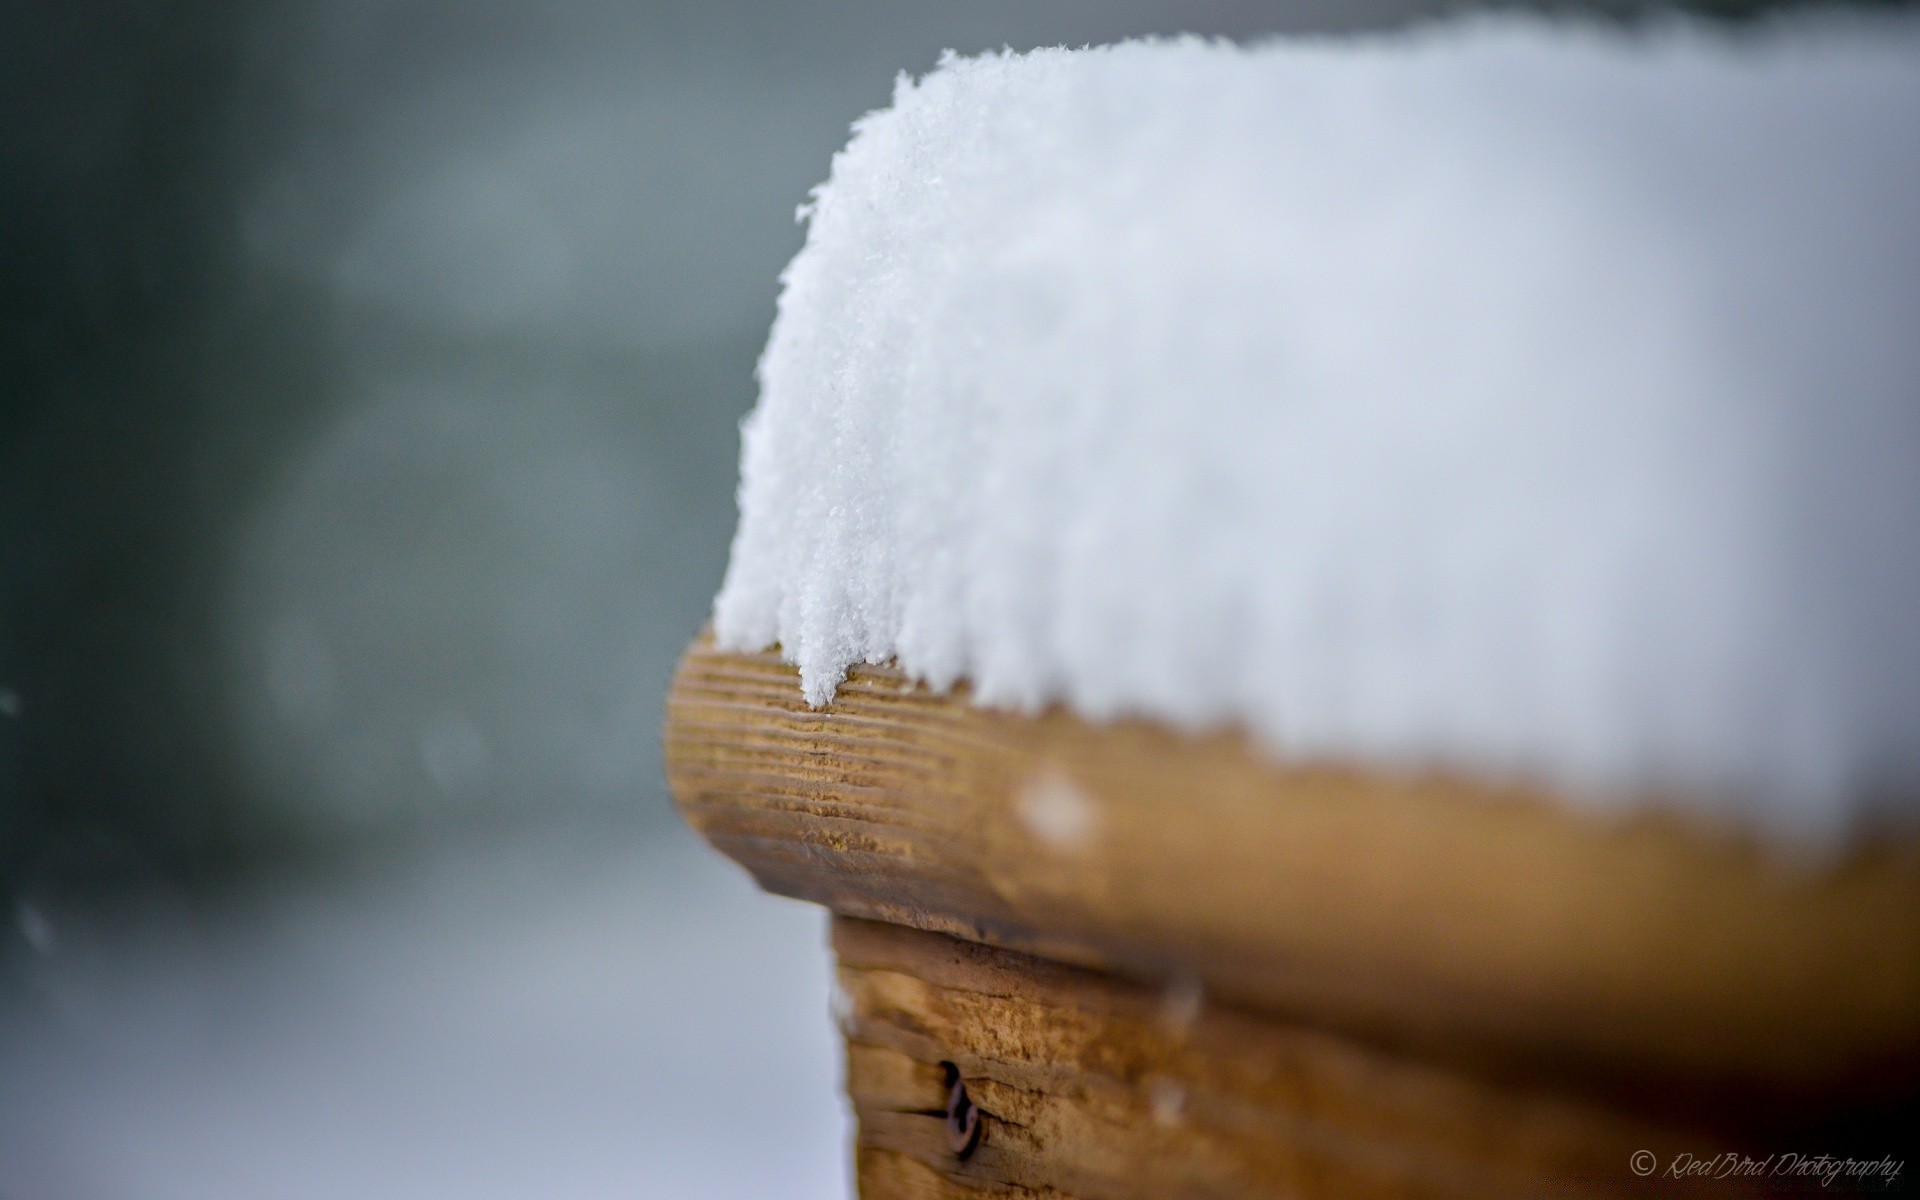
1094, 1090
1436, 914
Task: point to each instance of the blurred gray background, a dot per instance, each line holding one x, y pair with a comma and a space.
369, 382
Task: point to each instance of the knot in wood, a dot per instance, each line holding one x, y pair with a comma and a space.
963, 1116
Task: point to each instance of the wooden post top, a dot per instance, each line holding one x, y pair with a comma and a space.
1487, 923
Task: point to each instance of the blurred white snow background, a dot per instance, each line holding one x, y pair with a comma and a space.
546, 1019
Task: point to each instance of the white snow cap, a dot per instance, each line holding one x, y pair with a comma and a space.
1535, 400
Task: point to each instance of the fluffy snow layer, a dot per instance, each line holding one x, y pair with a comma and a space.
1536, 400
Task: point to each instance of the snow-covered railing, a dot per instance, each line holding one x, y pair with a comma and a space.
1338, 617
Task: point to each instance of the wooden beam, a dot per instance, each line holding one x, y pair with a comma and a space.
1091, 1088
1490, 925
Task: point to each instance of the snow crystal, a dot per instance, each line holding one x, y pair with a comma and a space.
1530, 399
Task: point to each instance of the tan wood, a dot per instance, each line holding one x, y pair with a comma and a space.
1097, 1089
1495, 927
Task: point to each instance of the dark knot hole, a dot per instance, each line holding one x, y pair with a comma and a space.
963, 1116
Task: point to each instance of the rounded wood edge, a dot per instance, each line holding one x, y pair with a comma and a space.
1428, 911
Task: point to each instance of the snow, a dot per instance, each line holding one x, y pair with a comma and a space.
1530, 399
577, 1016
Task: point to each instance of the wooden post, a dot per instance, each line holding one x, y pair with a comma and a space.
1162, 964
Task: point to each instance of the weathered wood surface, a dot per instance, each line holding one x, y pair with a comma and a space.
1474, 923
1096, 1089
